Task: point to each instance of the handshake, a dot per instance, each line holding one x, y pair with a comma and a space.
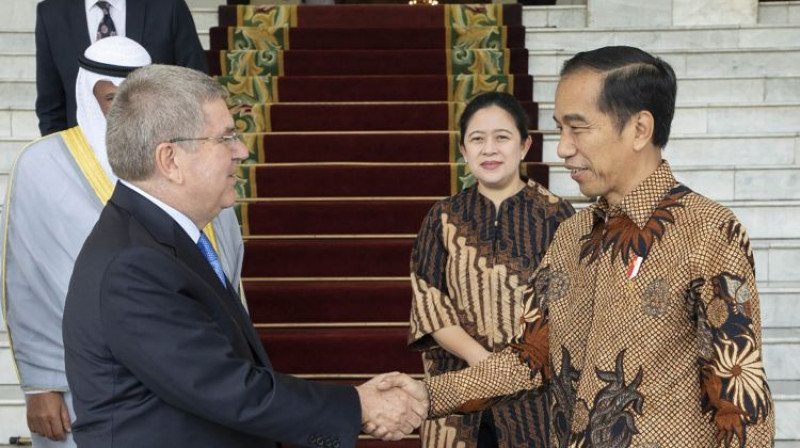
392, 405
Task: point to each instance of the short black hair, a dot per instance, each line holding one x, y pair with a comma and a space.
635, 81
503, 100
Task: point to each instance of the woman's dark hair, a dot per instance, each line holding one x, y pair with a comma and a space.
503, 100
635, 81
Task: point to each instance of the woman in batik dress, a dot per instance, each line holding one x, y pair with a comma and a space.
470, 264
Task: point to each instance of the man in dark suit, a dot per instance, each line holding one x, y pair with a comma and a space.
65, 28
159, 350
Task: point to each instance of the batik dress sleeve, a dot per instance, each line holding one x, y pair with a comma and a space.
724, 303
523, 365
432, 308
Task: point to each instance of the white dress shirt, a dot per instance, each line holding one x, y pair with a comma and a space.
94, 15
186, 224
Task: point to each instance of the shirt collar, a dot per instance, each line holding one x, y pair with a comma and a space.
640, 203
186, 224
93, 4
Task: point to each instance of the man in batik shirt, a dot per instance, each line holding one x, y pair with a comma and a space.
643, 317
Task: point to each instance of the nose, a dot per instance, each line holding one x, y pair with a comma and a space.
566, 146
240, 151
488, 147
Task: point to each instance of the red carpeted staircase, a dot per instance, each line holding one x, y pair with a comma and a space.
350, 113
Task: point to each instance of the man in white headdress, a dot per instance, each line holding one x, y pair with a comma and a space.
58, 186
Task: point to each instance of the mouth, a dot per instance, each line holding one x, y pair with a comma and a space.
576, 172
490, 164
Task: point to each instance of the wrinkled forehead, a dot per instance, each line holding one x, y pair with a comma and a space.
218, 119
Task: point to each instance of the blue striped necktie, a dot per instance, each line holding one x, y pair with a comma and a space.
211, 255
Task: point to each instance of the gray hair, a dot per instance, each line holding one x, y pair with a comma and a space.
154, 105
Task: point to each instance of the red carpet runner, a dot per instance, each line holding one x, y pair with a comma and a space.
350, 113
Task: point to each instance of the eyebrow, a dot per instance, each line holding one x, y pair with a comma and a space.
490, 131
571, 118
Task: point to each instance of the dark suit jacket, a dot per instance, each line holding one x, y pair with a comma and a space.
159, 354
164, 27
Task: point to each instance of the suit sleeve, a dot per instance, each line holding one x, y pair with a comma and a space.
51, 102
188, 51
725, 307
172, 343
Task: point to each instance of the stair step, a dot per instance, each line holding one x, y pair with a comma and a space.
780, 304
776, 259
361, 38
365, 146
329, 302
363, 88
384, 116
373, 16
695, 37
717, 118
720, 182
327, 258
360, 62
779, 13
781, 347
695, 63
368, 180
693, 90
340, 217
331, 350
556, 16
709, 149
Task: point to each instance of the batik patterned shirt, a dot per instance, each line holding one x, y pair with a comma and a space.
643, 323
469, 267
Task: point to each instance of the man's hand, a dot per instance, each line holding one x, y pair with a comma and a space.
391, 406
48, 415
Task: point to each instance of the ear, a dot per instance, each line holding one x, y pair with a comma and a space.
167, 162
643, 124
526, 145
462, 150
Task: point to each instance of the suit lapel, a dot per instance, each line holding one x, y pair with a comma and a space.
167, 232
134, 19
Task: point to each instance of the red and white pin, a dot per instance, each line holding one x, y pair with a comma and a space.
634, 266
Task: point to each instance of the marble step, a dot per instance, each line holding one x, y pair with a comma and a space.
557, 16
575, 16
780, 304
691, 62
779, 13
706, 37
694, 90
762, 219
715, 118
776, 259
786, 395
705, 149
718, 182
782, 353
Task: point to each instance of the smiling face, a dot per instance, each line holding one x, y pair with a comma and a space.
599, 156
210, 166
493, 149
